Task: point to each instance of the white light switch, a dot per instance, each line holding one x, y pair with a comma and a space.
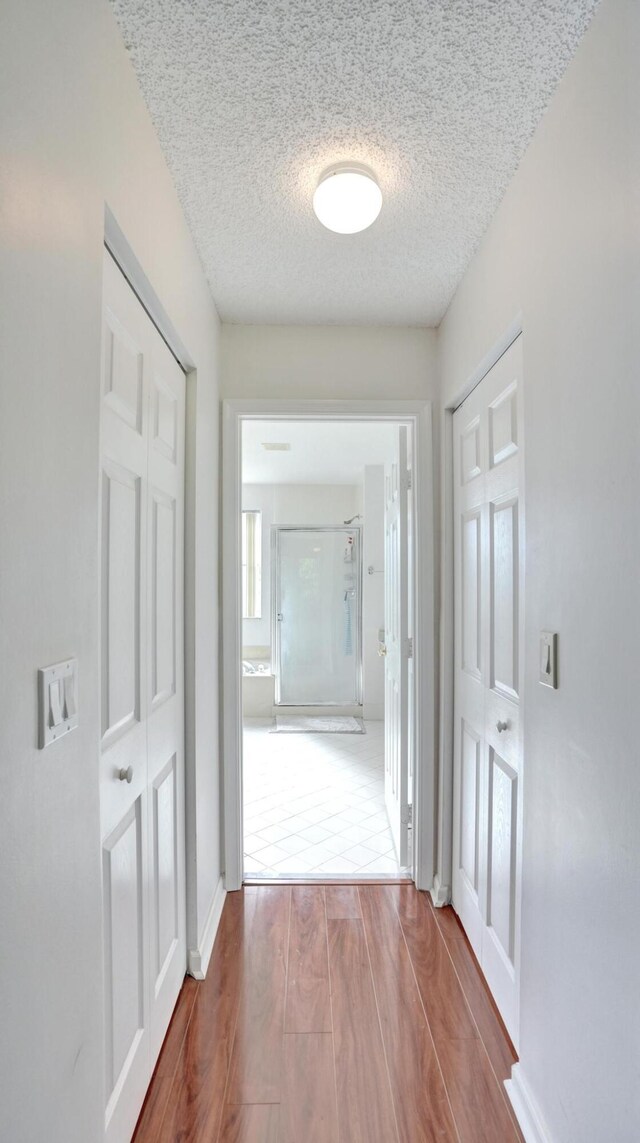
57, 701
549, 659
55, 705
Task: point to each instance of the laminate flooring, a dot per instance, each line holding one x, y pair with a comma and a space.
334, 1014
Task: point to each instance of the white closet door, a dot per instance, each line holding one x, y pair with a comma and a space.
142, 757
165, 701
396, 643
489, 567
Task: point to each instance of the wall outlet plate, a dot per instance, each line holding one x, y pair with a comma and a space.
549, 659
57, 701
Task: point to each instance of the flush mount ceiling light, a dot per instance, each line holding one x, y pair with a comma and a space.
347, 198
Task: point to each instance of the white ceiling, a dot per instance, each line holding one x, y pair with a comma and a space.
333, 452
252, 99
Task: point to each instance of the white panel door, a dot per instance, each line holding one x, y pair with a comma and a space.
397, 647
165, 705
142, 757
489, 567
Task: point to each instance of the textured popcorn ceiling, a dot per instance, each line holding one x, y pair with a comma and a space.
252, 99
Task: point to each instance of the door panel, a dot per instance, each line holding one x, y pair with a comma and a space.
166, 868
470, 451
471, 603
123, 368
503, 426
502, 836
125, 975
470, 806
166, 419
504, 597
121, 545
163, 592
142, 750
488, 566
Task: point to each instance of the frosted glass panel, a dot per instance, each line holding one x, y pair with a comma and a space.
318, 616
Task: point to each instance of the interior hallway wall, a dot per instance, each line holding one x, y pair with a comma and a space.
564, 249
328, 362
74, 134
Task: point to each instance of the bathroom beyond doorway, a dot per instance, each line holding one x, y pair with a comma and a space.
318, 571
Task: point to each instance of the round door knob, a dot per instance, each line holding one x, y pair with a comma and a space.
500, 726
126, 775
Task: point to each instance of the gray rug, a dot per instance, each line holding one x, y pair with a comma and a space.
321, 724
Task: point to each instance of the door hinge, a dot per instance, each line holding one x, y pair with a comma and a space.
410, 647
408, 480
407, 816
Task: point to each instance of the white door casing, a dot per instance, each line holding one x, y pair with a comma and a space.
489, 597
142, 696
396, 644
418, 415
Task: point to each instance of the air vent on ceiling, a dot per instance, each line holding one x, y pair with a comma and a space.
275, 446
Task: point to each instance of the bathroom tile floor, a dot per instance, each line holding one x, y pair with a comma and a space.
314, 804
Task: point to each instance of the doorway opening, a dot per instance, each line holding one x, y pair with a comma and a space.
406, 669
327, 623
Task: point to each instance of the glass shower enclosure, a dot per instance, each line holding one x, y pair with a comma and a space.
317, 628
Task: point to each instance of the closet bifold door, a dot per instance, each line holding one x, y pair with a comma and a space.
489, 596
142, 718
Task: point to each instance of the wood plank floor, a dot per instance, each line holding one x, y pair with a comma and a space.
334, 1014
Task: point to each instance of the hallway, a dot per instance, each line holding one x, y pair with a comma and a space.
333, 1013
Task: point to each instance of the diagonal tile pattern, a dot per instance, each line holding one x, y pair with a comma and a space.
314, 804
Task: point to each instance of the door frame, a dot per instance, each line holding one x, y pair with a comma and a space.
443, 875
419, 415
276, 531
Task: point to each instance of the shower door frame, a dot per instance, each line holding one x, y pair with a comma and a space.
275, 622
428, 800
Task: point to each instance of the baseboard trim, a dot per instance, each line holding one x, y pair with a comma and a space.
525, 1107
198, 959
440, 894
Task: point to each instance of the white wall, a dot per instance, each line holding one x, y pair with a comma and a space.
306, 362
293, 506
564, 249
74, 134
373, 591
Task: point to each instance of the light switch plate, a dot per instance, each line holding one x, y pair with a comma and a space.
549, 659
57, 701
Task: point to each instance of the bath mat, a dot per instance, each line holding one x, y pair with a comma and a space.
323, 724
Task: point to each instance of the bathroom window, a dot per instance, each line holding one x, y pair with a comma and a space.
251, 565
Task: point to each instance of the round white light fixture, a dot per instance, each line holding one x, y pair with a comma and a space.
347, 198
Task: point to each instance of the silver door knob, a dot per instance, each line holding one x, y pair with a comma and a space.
126, 775
500, 726
382, 650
